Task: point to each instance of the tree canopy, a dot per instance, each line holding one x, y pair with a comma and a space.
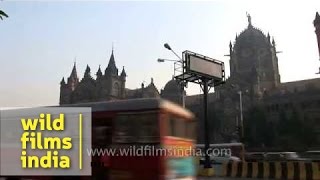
3, 14
290, 132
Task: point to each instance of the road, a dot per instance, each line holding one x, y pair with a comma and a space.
220, 178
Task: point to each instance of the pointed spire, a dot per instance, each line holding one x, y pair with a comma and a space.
316, 20
73, 78
151, 80
74, 71
87, 72
273, 42
112, 68
63, 82
268, 36
230, 47
99, 72
123, 73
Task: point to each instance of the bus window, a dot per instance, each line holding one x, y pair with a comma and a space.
101, 135
180, 127
147, 128
177, 127
171, 126
191, 129
123, 129
136, 128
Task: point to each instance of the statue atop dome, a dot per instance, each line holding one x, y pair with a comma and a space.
249, 19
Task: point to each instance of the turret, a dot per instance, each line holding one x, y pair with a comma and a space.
64, 92
87, 73
62, 83
123, 73
273, 43
73, 79
230, 48
99, 73
316, 24
112, 68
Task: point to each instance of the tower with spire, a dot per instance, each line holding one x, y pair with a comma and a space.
105, 87
113, 84
316, 24
253, 60
111, 69
108, 86
73, 79
66, 89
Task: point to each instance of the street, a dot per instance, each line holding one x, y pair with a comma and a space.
223, 178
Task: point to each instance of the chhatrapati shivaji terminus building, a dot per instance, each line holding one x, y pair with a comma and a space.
275, 114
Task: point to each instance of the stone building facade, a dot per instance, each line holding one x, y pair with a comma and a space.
254, 73
107, 86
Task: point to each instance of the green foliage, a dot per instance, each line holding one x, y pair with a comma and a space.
3, 14
257, 130
295, 132
290, 132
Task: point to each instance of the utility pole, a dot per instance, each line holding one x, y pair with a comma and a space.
206, 124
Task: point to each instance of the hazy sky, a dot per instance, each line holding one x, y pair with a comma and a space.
41, 39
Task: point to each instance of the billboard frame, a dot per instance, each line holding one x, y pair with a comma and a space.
189, 75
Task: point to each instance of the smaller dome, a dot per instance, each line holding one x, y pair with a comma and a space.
172, 86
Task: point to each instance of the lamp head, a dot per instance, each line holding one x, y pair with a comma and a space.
166, 45
160, 60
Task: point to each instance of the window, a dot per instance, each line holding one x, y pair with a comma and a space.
136, 128
179, 127
147, 128
101, 135
123, 129
191, 130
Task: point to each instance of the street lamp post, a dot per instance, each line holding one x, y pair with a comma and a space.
167, 46
241, 115
241, 130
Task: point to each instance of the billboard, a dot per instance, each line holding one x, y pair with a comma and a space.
204, 66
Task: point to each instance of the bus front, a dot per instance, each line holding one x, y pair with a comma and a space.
178, 133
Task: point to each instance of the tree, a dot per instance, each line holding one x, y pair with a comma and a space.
256, 128
3, 14
295, 132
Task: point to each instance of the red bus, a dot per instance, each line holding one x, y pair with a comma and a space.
155, 126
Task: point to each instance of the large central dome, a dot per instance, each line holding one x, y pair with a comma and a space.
253, 59
252, 37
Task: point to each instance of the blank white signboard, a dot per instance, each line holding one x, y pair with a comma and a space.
206, 67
